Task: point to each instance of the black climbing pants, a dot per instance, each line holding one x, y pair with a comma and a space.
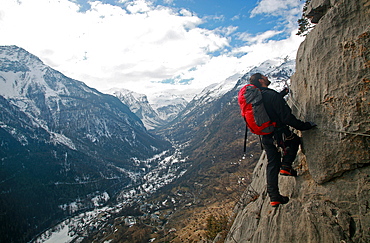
289, 144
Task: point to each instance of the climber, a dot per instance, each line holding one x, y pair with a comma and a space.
280, 113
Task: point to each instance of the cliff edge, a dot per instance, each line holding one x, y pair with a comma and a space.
330, 199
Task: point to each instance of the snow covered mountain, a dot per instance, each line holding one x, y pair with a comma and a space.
138, 104
167, 105
161, 109
201, 111
278, 70
62, 145
72, 113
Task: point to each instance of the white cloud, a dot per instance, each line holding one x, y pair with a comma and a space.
133, 45
221, 67
139, 6
288, 11
261, 51
275, 7
107, 42
263, 37
168, 1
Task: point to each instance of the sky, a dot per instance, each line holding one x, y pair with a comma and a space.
150, 46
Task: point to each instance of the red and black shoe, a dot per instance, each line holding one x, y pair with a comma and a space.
280, 200
287, 171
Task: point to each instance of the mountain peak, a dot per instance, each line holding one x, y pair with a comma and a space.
18, 54
279, 71
163, 108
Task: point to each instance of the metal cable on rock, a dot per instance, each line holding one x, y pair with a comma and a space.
295, 103
353, 133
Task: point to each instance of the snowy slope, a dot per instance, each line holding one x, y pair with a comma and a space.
216, 91
278, 71
138, 104
167, 105
160, 109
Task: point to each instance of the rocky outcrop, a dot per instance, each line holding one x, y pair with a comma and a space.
336, 211
329, 200
331, 87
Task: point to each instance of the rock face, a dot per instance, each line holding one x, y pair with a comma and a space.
329, 200
331, 87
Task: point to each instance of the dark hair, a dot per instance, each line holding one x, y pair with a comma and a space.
254, 79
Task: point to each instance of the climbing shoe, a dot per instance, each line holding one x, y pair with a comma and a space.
287, 171
280, 200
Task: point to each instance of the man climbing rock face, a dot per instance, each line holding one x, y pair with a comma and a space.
280, 113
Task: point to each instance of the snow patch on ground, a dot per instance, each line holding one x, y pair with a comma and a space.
58, 138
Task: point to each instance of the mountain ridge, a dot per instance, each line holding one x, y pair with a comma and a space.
162, 108
62, 143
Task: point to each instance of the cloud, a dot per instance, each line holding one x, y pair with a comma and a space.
138, 6
241, 59
287, 11
134, 45
276, 7
263, 37
260, 51
168, 1
137, 42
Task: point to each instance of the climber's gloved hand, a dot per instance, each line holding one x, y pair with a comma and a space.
284, 92
309, 125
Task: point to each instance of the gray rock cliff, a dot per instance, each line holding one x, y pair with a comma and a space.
330, 199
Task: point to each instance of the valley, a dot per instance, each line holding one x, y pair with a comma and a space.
92, 170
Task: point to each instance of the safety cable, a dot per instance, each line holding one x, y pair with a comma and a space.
295, 103
292, 99
353, 133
